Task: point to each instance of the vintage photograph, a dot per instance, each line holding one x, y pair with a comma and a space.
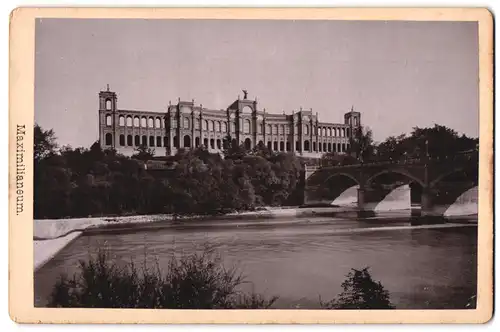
255, 164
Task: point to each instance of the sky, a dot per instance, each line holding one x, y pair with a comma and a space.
398, 74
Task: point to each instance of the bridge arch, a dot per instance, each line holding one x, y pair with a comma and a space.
369, 181
444, 175
350, 176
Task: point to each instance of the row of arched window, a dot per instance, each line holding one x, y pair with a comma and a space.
221, 126
135, 121
158, 141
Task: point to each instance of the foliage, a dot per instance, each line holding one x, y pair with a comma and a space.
196, 281
361, 144
360, 291
93, 182
143, 152
44, 143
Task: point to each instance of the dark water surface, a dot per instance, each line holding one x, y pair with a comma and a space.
300, 260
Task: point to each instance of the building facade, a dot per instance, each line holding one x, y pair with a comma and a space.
187, 125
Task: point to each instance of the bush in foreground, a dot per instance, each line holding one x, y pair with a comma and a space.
196, 281
360, 291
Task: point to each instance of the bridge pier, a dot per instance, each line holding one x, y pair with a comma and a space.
426, 202
361, 199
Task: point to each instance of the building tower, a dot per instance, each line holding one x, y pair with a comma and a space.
108, 118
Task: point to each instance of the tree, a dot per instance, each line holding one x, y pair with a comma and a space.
361, 144
360, 291
142, 152
44, 143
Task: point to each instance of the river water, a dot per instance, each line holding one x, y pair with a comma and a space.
303, 259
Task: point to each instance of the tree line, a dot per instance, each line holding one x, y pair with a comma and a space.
81, 182
94, 182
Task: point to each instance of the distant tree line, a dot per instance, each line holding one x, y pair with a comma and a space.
438, 142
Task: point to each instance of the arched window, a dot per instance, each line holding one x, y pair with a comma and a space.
329, 147
297, 146
151, 141
122, 140
296, 130
187, 141
129, 140
197, 142
217, 126
268, 129
269, 145
136, 121
176, 142
314, 146
282, 146
144, 140
197, 124
306, 145
108, 104
343, 147
334, 146
205, 142
247, 109
158, 141
224, 127
165, 141
186, 123
324, 131
137, 140
343, 132
157, 123
143, 122
129, 121
348, 132
329, 132
211, 126
151, 122
355, 121
306, 130
121, 121
108, 120
288, 146
212, 143
261, 128
282, 130
246, 126
109, 139
219, 144
205, 125
324, 147
173, 123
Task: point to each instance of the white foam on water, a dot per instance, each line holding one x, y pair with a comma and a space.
465, 204
398, 199
348, 197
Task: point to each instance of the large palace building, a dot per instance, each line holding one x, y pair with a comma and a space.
186, 125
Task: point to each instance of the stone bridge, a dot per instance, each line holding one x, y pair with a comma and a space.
435, 183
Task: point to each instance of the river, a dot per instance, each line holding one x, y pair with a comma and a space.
303, 259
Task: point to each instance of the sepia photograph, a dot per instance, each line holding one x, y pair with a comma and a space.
262, 163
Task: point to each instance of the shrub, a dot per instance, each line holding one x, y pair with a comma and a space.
360, 291
195, 281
